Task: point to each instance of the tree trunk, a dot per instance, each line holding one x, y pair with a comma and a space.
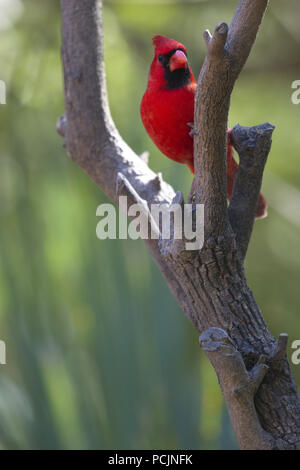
210, 284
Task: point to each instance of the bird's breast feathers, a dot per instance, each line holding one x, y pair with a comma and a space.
166, 115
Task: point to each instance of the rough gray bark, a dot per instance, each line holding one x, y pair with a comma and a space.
253, 146
210, 285
239, 388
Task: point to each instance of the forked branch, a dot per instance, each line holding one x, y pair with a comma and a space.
238, 387
227, 52
210, 285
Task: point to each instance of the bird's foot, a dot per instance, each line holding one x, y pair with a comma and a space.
192, 131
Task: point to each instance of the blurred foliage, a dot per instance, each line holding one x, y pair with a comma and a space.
98, 353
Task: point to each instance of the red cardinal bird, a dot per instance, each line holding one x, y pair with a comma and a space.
167, 109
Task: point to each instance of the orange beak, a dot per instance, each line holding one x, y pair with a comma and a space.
178, 61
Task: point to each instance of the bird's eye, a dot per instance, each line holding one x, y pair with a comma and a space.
160, 57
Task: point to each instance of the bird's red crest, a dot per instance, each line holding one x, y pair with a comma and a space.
163, 45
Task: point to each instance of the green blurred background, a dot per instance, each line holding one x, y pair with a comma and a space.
99, 355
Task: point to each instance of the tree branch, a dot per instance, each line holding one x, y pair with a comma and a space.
238, 387
253, 145
227, 52
243, 30
210, 124
209, 285
91, 138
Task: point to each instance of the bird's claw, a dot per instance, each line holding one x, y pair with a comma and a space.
192, 131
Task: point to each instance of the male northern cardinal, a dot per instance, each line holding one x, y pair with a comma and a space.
167, 109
